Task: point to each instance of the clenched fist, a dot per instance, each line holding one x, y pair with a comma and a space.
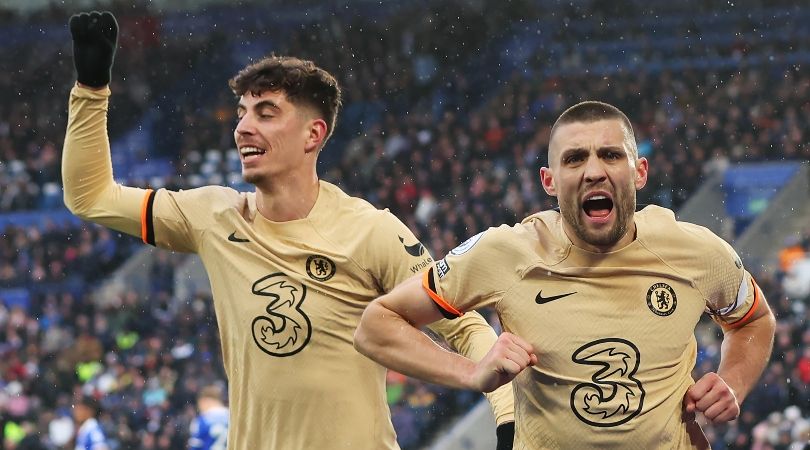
95, 37
504, 361
712, 397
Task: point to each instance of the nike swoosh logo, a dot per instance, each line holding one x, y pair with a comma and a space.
414, 250
540, 299
232, 237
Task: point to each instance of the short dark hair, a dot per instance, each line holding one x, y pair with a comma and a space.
301, 80
90, 402
592, 111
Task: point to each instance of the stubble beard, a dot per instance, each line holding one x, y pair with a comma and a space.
624, 206
254, 177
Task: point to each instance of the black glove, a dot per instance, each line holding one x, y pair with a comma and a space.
95, 36
506, 436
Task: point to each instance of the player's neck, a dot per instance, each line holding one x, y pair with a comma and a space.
623, 242
288, 199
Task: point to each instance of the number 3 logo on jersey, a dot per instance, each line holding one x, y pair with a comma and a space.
286, 329
615, 395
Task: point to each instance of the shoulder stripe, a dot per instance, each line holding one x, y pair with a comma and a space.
147, 224
430, 287
753, 308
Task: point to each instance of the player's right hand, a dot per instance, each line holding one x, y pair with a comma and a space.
95, 37
504, 361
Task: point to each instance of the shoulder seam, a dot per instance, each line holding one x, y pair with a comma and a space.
692, 281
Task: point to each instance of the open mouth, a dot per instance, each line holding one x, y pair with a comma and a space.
597, 206
249, 153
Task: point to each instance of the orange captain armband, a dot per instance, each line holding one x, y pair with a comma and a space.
147, 225
447, 310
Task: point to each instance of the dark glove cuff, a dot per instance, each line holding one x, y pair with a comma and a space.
95, 80
506, 435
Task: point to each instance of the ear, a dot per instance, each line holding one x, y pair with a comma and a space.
547, 180
642, 166
316, 135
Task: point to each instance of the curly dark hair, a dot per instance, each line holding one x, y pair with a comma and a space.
301, 80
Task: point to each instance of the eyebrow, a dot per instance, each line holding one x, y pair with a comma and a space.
578, 150
260, 105
571, 152
619, 149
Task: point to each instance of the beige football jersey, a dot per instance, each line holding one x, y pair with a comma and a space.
288, 295
614, 333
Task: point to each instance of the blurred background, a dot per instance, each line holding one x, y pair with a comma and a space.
448, 108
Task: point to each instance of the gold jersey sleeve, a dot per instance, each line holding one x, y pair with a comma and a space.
482, 271
183, 220
731, 292
614, 333
89, 189
392, 252
92, 193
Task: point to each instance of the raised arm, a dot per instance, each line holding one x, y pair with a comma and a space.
389, 333
89, 189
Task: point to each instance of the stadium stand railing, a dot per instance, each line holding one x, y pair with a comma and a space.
471, 432
771, 203
786, 213
706, 207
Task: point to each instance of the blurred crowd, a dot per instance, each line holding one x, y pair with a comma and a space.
450, 144
33, 119
776, 415
50, 258
144, 358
